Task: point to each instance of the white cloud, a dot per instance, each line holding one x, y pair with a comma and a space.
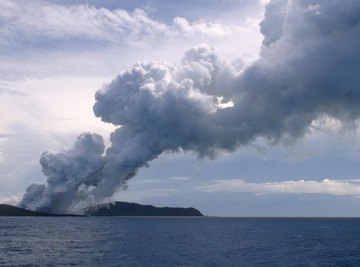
163, 180
10, 200
42, 19
326, 186
180, 178
202, 27
40, 38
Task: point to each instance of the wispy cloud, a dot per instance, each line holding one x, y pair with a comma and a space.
11, 92
43, 39
35, 20
326, 186
5, 89
212, 29
167, 180
180, 178
43, 19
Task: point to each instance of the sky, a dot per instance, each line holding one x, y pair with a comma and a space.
281, 139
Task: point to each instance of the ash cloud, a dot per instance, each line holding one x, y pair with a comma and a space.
70, 174
308, 68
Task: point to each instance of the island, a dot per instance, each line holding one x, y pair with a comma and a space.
8, 210
109, 209
133, 209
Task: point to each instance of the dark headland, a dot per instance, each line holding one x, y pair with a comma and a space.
111, 209
134, 209
8, 210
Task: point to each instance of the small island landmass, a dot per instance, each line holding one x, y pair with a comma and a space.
110, 209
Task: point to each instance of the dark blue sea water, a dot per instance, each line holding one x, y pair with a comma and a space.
119, 241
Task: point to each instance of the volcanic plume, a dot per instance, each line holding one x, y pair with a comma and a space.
308, 68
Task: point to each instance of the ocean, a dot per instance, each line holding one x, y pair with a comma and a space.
164, 241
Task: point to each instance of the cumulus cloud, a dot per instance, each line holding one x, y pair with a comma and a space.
307, 70
326, 186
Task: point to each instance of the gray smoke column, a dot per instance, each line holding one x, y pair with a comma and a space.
69, 175
309, 67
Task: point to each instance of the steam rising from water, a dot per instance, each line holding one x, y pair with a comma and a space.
308, 68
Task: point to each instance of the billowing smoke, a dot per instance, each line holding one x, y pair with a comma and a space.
70, 173
308, 67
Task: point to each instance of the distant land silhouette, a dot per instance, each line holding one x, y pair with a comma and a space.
110, 209
134, 209
8, 210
